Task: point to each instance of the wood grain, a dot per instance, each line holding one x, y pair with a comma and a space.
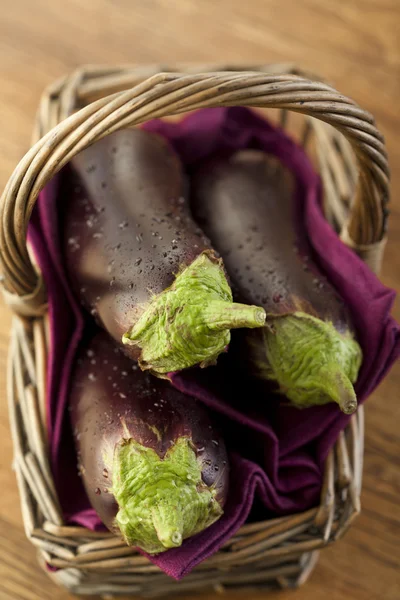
355, 44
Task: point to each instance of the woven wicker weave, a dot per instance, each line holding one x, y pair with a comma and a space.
81, 109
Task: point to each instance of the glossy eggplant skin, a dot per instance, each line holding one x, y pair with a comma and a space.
126, 226
112, 402
137, 260
245, 204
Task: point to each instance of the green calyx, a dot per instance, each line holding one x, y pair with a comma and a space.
161, 501
189, 323
311, 361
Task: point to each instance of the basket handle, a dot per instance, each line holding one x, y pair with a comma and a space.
166, 94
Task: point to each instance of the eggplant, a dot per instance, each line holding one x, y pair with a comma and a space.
246, 204
138, 262
154, 467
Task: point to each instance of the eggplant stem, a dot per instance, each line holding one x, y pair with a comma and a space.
161, 501
311, 361
231, 315
189, 323
346, 396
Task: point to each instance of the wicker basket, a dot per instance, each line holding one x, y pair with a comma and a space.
83, 108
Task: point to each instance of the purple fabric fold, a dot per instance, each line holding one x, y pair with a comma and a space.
277, 451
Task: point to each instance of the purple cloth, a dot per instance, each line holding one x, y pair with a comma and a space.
277, 451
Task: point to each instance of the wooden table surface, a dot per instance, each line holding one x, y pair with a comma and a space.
355, 44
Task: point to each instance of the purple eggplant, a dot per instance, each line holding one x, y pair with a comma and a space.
245, 204
138, 262
154, 467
